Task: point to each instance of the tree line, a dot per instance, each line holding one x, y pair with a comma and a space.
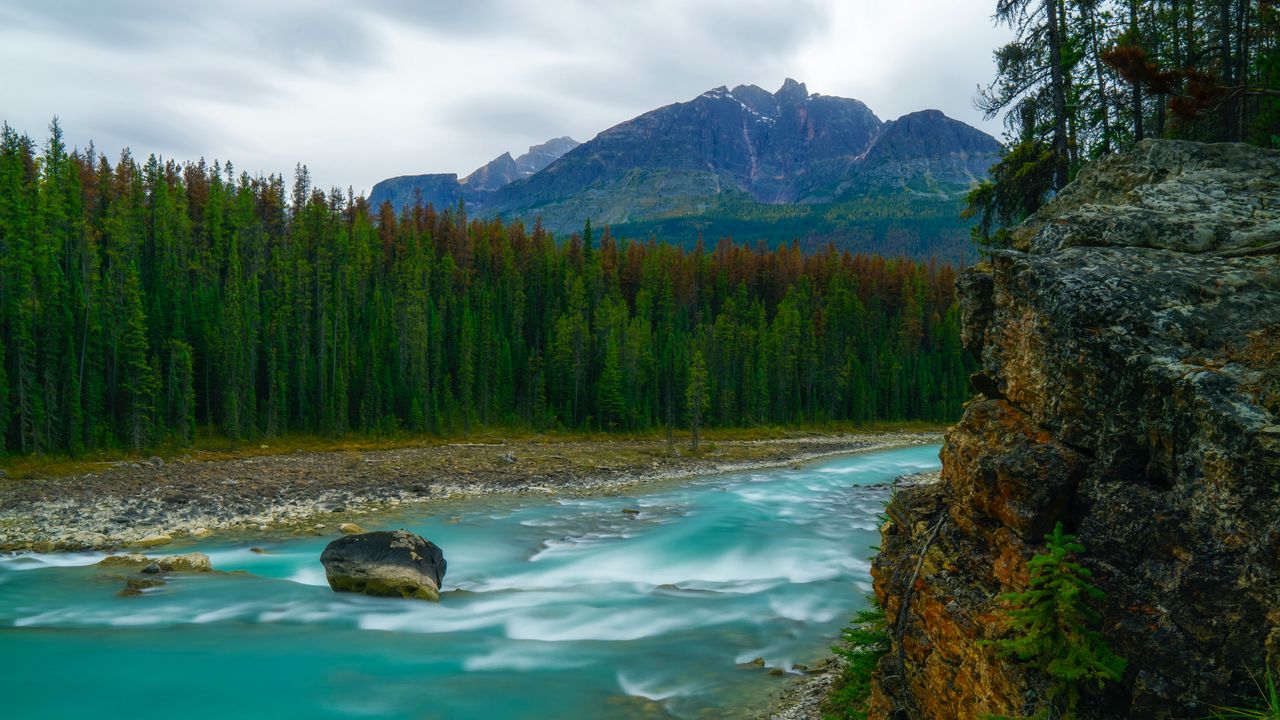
141, 302
1086, 78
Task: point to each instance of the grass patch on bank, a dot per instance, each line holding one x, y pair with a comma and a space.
211, 445
861, 645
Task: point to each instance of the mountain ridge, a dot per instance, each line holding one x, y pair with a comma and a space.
728, 153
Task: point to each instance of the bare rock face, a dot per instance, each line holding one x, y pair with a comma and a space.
385, 563
1130, 379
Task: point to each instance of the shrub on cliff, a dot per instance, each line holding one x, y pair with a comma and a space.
1054, 629
861, 645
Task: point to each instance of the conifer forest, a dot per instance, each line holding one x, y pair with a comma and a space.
145, 302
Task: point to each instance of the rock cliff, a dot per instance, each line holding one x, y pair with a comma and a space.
1129, 351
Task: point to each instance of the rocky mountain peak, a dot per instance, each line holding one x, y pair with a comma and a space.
540, 156
791, 92
498, 172
756, 99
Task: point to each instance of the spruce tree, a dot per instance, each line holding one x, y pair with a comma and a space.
137, 376
1053, 627
696, 395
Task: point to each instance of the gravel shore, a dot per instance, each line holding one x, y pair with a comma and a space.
313, 492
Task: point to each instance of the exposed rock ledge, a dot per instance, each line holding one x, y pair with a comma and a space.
1129, 352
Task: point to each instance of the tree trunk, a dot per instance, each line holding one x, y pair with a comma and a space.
1058, 88
1227, 131
1137, 88
1103, 100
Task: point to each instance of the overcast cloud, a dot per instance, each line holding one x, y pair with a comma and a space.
363, 91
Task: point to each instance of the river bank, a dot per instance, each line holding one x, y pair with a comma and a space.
314, 492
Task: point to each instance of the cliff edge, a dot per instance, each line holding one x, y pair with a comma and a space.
1129, 351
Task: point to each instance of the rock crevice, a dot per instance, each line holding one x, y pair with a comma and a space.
1119, 378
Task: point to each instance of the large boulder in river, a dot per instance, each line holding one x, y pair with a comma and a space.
388, 563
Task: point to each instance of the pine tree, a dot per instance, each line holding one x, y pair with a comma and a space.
609, 389
1053, 627
180, 395
696, 395
137, 376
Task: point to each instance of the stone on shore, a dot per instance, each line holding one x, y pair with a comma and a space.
351, 529
385, 563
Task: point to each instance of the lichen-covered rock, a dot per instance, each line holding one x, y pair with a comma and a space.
385, 563
191, 562
1126, 351
1167, 195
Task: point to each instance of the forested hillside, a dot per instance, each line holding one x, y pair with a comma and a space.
143, 300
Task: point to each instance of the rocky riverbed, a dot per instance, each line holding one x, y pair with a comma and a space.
154, 503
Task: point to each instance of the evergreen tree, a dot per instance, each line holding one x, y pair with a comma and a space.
137, 376
1053, 627
696, 395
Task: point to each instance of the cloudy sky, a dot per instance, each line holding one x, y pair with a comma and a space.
360, 91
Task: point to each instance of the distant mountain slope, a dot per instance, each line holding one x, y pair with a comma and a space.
445, 189
751, 164
504, 169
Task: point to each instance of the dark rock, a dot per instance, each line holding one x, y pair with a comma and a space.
134, 586
983, 383
385, 563
630, 511
152, 569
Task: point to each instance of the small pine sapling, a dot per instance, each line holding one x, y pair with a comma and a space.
1053, 627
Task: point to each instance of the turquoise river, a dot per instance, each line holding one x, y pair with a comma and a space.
553, 608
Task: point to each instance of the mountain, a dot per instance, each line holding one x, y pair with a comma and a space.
445, 189
504, 169
750, 164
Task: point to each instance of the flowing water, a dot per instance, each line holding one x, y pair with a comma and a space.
554, 608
